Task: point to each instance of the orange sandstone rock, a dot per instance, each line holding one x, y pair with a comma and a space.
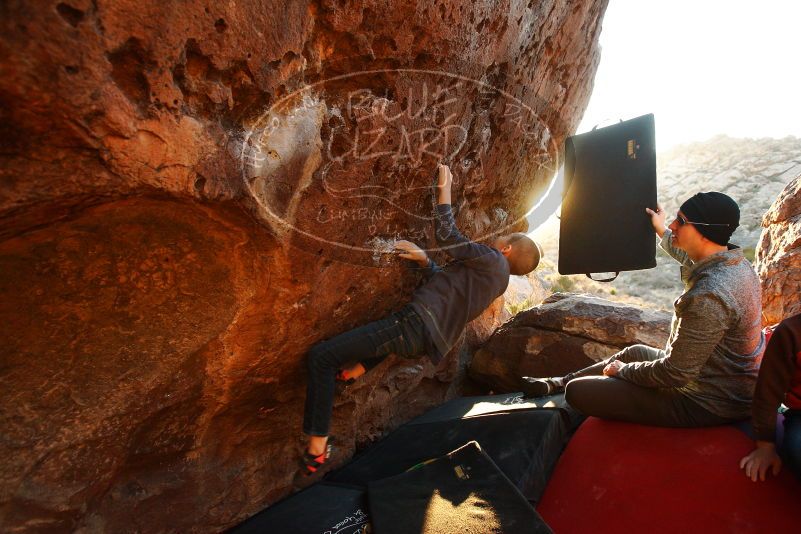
191, 195
778, 257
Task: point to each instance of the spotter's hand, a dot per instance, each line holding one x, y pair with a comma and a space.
761, 460
410, 251
613, 368
657, 219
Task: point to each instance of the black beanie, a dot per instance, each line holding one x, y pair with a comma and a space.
713, 208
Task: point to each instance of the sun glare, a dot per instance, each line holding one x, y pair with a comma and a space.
703, 68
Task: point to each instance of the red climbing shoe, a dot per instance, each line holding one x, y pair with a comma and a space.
343, 376
310, 463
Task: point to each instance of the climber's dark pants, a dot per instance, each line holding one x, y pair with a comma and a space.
614, 398
402, 333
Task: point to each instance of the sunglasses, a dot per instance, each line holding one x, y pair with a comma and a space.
682, 221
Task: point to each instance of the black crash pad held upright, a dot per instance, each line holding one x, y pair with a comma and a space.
610, 178
464, 491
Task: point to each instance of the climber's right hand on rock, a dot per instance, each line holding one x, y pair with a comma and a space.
444, 183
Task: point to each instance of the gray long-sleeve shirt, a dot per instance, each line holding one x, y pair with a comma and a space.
716, 341
458, 292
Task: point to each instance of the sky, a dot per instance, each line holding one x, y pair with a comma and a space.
703, 68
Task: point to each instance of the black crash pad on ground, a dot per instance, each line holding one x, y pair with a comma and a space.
464, 407
463, 491
523, 439
610, 178
320, 509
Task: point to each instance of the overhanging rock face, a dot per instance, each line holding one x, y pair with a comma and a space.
192, 194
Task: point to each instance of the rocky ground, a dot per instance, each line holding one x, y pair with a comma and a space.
752, 171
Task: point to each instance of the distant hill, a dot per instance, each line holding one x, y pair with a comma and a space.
752, 171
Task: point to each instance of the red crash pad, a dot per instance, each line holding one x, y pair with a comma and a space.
620, 477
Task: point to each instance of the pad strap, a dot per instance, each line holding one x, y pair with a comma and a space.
589, 275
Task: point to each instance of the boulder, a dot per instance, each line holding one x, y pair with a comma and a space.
565, 333
192, 194
778, 258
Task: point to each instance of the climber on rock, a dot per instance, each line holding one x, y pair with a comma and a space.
706, 374
429, 325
